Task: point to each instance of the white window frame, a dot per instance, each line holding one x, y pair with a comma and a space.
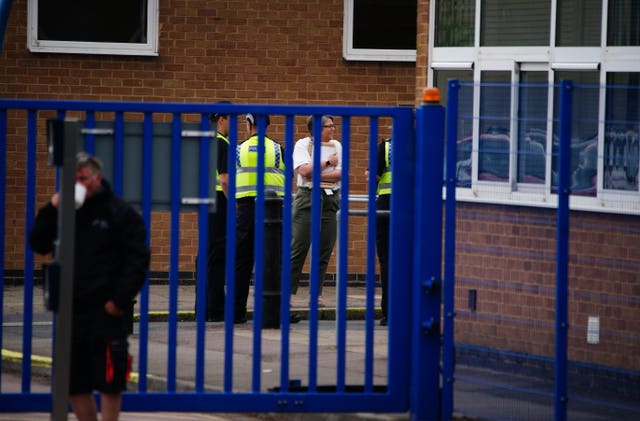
603, 59
150, 48
367, 54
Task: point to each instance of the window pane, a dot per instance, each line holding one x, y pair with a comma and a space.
623, 23
377, 24
532, 127
118, 21
465, 119
495, 105
584, 131
515, 22
455, 23
622, 123
579, 23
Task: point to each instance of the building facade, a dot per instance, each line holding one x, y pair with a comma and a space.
509, 56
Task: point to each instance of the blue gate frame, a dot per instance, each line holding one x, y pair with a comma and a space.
416, 233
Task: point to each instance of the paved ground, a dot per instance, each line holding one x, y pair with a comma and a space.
214, 350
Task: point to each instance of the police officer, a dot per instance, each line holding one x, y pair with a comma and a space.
383, 202
246, 185
216, 254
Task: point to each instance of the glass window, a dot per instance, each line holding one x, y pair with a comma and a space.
579, 23
455, 23
622, 26
465, 118
515, 23
532, 127
495, 140
622, 124
584, 131
123, 27
376, 30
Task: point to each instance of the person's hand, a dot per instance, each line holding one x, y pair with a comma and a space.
333, 158
55, 200
112, 309
366, 175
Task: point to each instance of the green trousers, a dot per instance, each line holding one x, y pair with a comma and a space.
301, 233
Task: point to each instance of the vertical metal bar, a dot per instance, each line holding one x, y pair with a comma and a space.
28, 253
258, 255
286, 253
147, 172
562, 252
314, 274
205, 176
371, 255
3, 204
174, 247
401, 239
448, 349
343, 250
427, 255
230, 267
65, 253
118, 154
90, 138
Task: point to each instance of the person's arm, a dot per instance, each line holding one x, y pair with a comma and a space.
223, 171
132, 245
45, 229
335, 159
224, 183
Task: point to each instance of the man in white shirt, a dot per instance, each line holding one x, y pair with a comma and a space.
331, 170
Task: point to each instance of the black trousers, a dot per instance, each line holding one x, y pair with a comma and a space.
382, 245
245, 228
216, 257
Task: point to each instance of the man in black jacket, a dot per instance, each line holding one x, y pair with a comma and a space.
111, 263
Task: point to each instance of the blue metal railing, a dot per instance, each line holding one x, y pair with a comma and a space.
394, 399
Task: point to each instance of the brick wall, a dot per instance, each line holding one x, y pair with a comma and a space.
291, 53
507, 255
246, 52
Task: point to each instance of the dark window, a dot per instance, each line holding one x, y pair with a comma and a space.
384, 25
579, 23
118, 21
623, 26
455, 23
515, 22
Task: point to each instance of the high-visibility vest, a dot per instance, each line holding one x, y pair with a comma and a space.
218, 186
247, 168
384, 184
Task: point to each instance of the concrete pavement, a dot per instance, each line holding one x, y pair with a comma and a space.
159, 297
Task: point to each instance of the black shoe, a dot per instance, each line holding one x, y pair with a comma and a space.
215, 318
240, 320
294, 318
384, 321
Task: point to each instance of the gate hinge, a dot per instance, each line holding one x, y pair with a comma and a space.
431, 285
431, 326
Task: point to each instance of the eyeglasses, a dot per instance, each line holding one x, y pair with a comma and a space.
329, 126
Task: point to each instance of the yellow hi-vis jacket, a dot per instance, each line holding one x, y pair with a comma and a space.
384, 184
218, 186
247, 168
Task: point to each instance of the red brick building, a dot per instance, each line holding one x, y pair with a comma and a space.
291, 52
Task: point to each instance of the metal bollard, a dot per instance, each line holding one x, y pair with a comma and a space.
272, 257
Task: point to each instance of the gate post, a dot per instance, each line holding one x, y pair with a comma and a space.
272, 236
427, 255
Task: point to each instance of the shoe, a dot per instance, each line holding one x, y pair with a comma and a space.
384, 321
294, 318
215, 318
321, 302
240, 320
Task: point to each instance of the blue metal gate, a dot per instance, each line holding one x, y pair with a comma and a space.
411, 353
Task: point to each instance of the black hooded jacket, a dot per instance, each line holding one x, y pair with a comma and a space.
111, 254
